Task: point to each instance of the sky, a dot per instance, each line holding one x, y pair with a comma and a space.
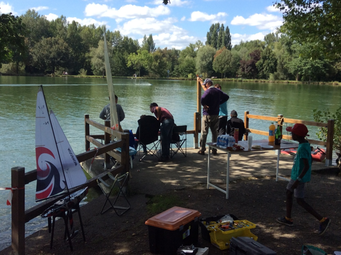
175, 25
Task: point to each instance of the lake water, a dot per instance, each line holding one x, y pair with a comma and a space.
71, 98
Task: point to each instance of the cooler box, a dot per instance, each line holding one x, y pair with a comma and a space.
221, 233
248, 246
172, 228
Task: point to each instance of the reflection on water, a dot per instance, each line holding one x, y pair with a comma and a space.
71, 98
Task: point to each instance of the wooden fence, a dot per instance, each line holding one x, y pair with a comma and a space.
280, 119
19, 178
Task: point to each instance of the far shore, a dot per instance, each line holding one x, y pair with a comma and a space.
334, 83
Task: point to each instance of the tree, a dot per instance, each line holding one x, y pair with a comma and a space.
50, 53
267, 63
139, 60
218, 38
148, 43
12, 40
222, 61
97, 58
313, 21
204, 60
248, 67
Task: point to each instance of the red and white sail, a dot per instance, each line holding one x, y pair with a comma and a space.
57, 166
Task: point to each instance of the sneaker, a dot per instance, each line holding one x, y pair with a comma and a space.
284, 221
323, 226
201, 152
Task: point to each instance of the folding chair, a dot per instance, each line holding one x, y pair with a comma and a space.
179, 138
107, 188
65, 208
147, 136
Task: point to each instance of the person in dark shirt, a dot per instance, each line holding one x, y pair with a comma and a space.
233, 123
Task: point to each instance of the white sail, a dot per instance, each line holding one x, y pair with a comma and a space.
113, 111
57, 165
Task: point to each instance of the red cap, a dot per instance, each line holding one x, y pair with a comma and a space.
298, 129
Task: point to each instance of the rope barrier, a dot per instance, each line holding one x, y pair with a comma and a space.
10, 195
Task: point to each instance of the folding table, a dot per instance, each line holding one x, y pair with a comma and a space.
264, 146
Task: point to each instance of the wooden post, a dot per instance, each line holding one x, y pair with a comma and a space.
196, 129
329, 146
18, 210
87, 132
125, 160
246, 124
107, 139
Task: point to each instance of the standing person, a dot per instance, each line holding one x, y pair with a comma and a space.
233, 123
210, 100
167, 122
300, 174
222, 115
105, 113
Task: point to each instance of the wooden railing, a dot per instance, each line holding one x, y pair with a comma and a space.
19, 178
280, 119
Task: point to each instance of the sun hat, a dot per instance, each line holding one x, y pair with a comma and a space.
207, 81
298, 129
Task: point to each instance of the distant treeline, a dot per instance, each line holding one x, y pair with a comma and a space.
55, 47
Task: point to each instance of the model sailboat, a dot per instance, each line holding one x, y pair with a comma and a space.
58, 169
113, 111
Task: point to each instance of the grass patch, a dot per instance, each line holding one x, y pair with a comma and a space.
160, 203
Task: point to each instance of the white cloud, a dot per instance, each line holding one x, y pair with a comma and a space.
202, 16
173, 2
87, 22
237, 38
147, 26
6, 8
131, 1
51, 16
39, 8
183, 18
125, 12
272, 8
165, 33
261, 21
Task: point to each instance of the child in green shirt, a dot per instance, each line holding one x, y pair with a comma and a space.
300, 174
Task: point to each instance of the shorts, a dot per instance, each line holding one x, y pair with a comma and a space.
299, 191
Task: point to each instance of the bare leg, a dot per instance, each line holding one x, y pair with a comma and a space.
308, 208
289, 203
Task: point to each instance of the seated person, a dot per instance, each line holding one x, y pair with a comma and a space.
233, 123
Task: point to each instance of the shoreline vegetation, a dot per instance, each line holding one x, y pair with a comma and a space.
333, 83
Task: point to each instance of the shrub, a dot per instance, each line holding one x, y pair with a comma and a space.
324, 116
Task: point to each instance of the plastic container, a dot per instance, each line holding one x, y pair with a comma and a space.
172, 228
231, 141
221, 233
272, 129
246, 245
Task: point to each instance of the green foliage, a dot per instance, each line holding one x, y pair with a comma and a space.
218, 37
50, 53
324, 116
267, 64
315, 22
97, 58
148, 43
12, 32
82, 72
222, 61
204, 60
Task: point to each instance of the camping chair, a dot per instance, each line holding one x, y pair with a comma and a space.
118, 181
147, 136
179, 138
65, 208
